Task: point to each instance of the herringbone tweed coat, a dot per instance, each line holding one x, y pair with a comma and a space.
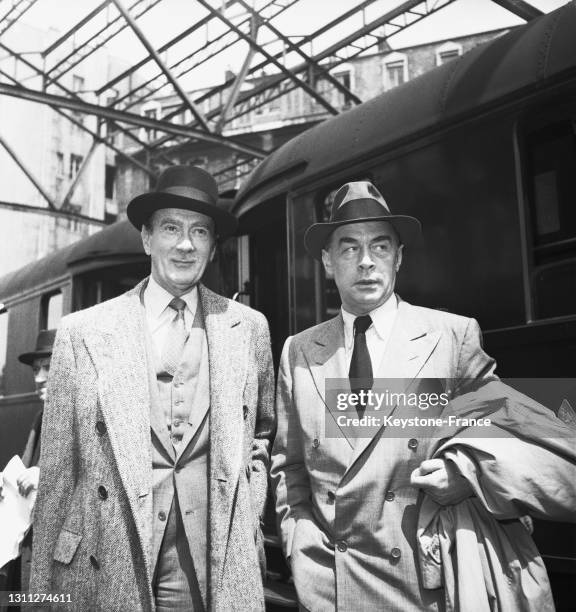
93, 523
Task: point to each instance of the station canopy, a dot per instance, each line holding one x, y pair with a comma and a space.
178, 49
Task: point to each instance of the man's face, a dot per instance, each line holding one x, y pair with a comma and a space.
41, 367
364, 259
180, 244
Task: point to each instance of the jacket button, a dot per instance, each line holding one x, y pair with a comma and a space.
395, 553
413, 443
390, 496
342, 546
315, 443
94, 562
162, 515
102, 493
100, 428
331, 496
245, 412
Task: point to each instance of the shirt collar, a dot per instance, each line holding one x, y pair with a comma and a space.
156, 299
381, 318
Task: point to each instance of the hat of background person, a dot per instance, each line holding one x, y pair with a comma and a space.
44, 344
185, 187
354, 203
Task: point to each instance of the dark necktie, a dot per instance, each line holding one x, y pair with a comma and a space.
360, 374
176, 338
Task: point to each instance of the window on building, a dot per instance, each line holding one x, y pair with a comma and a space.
395, 70
447, 52
109, 181
51, 310
550, 158
78, 83
153, 111
60, 164
75, 164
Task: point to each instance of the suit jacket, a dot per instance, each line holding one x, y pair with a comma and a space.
93, 523
347, 512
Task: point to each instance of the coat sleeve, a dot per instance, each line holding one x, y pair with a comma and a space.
57, 461
474, 365
288, 472
265, 421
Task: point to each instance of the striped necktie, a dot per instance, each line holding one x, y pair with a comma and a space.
176, 338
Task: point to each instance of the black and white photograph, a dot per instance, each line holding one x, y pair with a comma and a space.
288, 305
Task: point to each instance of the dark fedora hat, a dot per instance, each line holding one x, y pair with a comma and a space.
184, 187
44, 344
356, 202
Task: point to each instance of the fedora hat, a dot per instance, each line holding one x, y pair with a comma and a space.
44, 344
185, 187
353, 203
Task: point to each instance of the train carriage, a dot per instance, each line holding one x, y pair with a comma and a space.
481, 149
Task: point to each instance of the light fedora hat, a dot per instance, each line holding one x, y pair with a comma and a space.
356, 202
186, 187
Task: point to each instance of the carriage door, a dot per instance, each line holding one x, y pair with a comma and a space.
263, 267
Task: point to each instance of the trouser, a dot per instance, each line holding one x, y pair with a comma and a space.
175, 583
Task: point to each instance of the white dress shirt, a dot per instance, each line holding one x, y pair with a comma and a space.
377, 335
159, 315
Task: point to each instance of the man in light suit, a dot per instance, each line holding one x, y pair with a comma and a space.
348, 505
156, 430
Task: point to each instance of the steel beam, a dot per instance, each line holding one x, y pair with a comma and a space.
26, 171
204, 21
522, 9
305, 40
16, 11
76, 179
271, 4
77, 123
96, 41
309, 60
154, 54
74, 29
124, 117
289, 74
67, 214
240, 77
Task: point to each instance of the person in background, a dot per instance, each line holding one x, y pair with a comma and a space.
39, 361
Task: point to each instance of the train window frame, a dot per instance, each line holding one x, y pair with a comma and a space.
540, 256
48, 318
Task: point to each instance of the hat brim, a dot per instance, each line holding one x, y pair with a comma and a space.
28, 358
316, 236
141, 208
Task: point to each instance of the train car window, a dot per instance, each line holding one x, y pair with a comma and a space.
3, 344
551, 161
306, 294
51, 310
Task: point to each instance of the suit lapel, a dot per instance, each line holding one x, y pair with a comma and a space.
117, 349
326, 359
410, 345
227, 339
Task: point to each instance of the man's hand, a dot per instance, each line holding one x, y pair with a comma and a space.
442, 481
28, 480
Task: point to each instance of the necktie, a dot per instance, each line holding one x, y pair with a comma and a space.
176, 338
360, 374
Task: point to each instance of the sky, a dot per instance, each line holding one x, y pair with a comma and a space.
170, 17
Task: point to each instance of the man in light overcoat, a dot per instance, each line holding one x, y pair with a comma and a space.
155, 441
347, 498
